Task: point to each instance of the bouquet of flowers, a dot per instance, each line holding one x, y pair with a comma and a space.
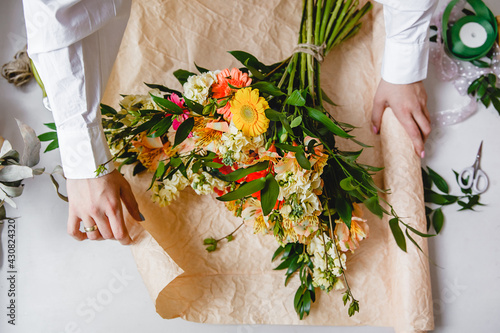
260, 139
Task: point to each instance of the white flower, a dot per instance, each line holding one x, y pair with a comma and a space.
328, 267
197, 87
203, 183
166, 192
236, 146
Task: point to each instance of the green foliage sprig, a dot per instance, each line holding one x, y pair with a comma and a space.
435, 201
485, 90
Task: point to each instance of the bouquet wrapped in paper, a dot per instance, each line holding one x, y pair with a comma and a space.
260, 139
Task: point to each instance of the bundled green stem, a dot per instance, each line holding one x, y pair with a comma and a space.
325, 25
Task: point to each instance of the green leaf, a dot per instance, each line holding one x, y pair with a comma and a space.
243, 172
437, 220
398, 233
53, 145
413, 241
296, 99
146, 126
346, 184
344, 208
302, 159
201, 69
296, 122
286, 147
196, 166
213, 165
415, 231
426, 179
481, 91
326, 98
269, 194
364, 145
373, 205
139, 167
284, 264
52, 126
274, 115
160, 170
212, 248
163, 88
248, 59
161, 127
106, 110
244, 190
278, 251
49, 136
297, 300
267, 88
345, 298
208, 241
286, 125
439, 181
255, 72
183, 75
183, 131
433, 197
194, 106
329, 124
473, 87
496, 103
307, 302
167, 105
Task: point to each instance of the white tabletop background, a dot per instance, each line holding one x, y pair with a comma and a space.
67, 286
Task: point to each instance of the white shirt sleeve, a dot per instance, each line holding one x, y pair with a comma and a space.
406, 51
74, 51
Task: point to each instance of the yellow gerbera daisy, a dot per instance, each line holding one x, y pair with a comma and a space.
248, 110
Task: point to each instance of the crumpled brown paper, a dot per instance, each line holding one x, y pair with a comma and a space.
237, 283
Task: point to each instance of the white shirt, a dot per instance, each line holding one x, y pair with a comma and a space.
74, 43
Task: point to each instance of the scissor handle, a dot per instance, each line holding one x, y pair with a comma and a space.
466, 178
477, 181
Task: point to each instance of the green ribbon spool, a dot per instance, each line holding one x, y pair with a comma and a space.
471, 37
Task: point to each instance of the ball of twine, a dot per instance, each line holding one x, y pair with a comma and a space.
18, 71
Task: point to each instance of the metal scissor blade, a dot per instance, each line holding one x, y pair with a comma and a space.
480, 151
478, 158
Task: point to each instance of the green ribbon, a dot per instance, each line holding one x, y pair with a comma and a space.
451, 32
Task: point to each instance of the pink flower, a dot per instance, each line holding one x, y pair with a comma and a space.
178, 120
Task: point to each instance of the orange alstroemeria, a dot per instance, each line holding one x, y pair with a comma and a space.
348, 239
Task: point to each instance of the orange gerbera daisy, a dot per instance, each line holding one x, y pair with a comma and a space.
221, 89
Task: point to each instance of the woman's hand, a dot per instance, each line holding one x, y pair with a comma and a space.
98, 201
409, 104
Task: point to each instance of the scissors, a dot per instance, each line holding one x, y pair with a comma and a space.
473, 177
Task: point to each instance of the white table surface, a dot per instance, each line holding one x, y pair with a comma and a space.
67, 286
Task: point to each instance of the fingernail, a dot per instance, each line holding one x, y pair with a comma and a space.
422, 154
375, 129
142, 217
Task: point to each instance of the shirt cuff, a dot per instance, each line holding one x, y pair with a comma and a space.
405, 63
82, 151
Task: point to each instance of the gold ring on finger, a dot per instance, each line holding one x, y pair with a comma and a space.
90, 229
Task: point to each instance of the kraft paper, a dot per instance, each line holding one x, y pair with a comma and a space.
237, 284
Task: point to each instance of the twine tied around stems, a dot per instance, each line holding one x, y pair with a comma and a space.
18, 71
317, 51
